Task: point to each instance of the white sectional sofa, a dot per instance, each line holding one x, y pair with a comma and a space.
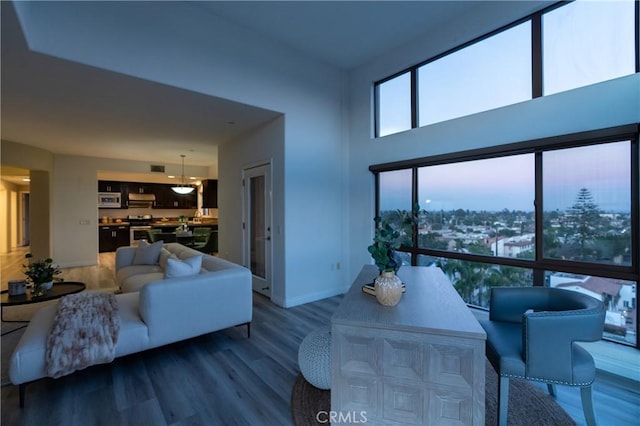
153, 310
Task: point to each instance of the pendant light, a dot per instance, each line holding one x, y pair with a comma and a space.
182, 189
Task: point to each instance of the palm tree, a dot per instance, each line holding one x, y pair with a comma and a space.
467, 277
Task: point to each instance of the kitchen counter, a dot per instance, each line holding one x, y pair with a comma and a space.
172, 223
113, 224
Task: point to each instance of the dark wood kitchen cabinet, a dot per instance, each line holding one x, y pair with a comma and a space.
186, 201
112, 237
141, 188
210, 193
167, 199
109, 186
164, 197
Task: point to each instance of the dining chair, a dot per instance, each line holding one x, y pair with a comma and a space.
210, 245
201, 234
532, 334
153, 233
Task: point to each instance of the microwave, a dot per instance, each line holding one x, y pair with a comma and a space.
109, 200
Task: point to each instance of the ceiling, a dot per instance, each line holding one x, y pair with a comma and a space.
70, 108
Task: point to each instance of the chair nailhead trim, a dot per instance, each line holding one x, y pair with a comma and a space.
513, 376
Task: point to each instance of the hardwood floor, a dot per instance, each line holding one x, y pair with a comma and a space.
99, 277
224, 378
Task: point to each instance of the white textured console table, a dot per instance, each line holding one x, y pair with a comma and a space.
419, 362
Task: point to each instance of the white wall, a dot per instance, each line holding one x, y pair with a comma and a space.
74, 211
40, 214
264, 145
218, 58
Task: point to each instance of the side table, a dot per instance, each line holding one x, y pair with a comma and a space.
57, 291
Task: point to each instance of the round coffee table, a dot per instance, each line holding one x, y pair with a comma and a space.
57, 291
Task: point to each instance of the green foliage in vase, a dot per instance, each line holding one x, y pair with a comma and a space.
391, 234
41, 271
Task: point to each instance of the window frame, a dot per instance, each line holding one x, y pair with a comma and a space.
539, 264
537, 65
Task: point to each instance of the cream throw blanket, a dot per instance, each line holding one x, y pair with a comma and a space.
85, 332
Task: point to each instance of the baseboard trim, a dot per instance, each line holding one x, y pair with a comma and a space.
77, 264
291, 302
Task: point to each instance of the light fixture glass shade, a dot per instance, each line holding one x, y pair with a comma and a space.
182, 189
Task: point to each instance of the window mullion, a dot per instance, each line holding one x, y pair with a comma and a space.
637, 34
414, 201
414, 98
536, 56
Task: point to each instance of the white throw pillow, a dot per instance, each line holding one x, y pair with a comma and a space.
147, 254
183, 268
164, 255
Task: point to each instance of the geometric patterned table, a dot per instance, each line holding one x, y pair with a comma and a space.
419, 362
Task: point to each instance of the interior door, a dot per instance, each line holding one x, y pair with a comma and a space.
257, 226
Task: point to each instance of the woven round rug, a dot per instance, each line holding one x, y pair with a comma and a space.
528, 404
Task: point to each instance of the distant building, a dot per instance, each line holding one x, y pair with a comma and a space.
619, 299
512, 246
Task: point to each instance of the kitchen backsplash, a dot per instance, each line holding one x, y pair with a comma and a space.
156, 213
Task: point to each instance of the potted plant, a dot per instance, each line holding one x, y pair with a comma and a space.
389, 236
41, 274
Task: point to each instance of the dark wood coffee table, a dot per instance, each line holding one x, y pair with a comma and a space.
57, 291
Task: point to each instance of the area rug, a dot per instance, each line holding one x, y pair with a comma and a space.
528, 404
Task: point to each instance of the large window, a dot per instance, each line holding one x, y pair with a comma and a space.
480, 206
618, 296
568, 45
473, 280
394, 105
465, 82
561, 212
395, 190
587, 42
587, 203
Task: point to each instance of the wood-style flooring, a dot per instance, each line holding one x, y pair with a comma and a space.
223, 378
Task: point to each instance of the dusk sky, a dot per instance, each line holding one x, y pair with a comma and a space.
508, 182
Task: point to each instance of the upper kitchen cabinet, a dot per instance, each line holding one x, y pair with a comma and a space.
210, 193
149, 195
141, 188
138, 188
164, 197
185, 201
167, 199
109, 186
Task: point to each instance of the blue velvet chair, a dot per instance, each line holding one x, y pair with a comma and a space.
532, 334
